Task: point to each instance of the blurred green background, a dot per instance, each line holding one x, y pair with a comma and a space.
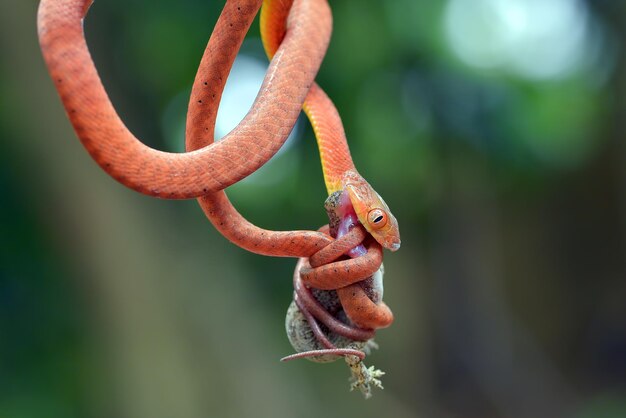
493, 128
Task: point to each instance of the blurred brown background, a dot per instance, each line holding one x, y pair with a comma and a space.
494, 130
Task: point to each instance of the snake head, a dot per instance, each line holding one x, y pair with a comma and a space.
372, 210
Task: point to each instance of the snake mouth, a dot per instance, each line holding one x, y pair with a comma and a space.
345, 225
348, 219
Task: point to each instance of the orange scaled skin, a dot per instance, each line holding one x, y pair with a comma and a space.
339, 174
178, 176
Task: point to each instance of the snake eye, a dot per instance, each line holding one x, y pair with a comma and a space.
377, 218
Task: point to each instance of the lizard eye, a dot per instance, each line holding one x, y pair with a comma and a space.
377, 218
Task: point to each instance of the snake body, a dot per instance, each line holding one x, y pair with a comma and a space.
296, 34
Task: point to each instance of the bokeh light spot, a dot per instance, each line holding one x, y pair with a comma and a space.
533, 39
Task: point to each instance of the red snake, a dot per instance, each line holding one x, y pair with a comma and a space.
296, 34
